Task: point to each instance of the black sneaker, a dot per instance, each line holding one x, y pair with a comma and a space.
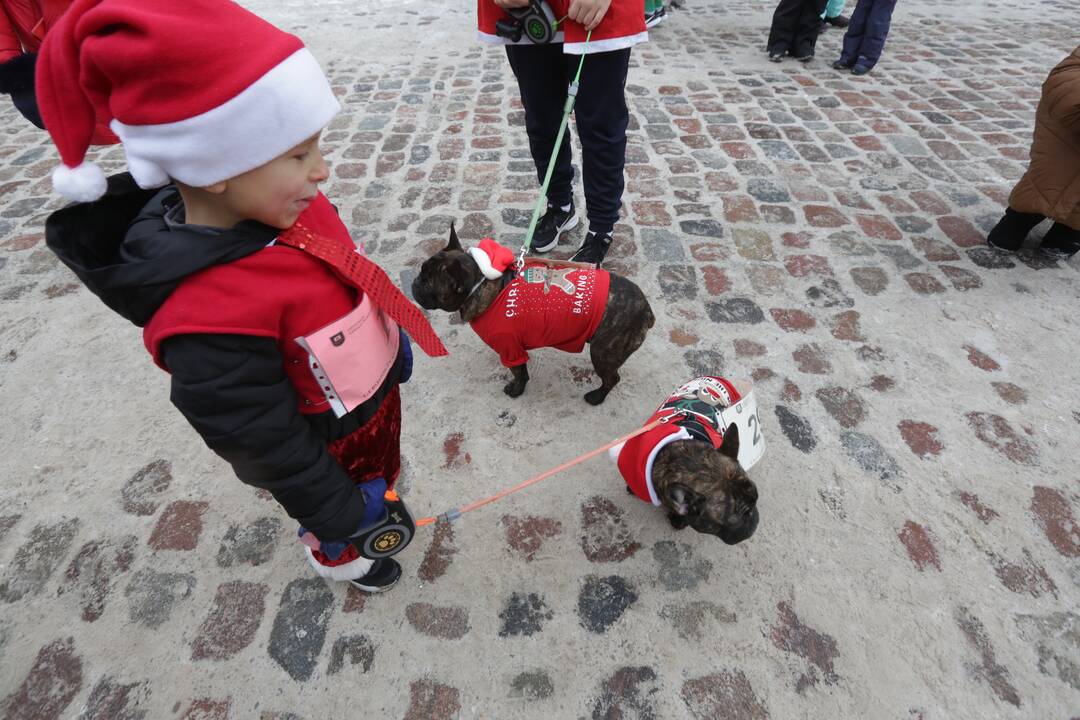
655, 18
594, 249
553, 223
776, 57
382, 576
860, 70
840, 65
839, 21
1060, 252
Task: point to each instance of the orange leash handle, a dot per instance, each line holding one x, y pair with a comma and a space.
454, 513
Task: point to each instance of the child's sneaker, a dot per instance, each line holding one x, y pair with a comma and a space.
554, 222
655, 18
382, 576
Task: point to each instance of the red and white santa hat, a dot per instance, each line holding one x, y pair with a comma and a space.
199, 91
492, 258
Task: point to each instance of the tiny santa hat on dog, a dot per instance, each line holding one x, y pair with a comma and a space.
198, 91
492, 258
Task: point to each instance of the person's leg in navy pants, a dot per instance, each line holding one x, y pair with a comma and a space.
601, 117
541, 74
865, 36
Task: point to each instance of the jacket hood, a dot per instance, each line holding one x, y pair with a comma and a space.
121, 247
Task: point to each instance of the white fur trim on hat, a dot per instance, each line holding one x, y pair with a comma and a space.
484, 261
84, 183
287, 105
353, 570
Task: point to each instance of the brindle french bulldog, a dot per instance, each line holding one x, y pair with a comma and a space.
706, 488
451, 280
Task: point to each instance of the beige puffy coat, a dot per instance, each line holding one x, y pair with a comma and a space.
1051, 185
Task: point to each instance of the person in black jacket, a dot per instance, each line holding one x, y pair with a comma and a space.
203, 266
795, 28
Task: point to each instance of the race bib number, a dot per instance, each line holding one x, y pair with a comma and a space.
744, 414
708, 400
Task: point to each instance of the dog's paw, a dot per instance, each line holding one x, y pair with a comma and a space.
677, 521
597, 396
513, 390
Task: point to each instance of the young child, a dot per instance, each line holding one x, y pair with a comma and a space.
655, 13
833, 15
543, 74
223, 295
794, 30
865, 36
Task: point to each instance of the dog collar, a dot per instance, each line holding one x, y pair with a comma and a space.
506, 279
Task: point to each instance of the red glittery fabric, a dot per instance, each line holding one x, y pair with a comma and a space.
371, 451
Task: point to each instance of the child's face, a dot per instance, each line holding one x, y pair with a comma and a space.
276, 193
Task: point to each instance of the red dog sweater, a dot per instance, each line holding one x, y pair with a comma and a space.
544, 307
692, 414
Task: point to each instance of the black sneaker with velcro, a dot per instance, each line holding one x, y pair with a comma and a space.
382, 576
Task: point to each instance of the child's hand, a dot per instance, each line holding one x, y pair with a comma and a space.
373, 491
588, 13
504, 4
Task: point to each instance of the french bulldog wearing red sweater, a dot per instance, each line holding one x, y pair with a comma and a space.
546, 304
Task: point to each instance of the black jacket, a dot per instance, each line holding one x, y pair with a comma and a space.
231, 388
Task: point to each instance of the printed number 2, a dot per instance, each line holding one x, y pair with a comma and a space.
752, 421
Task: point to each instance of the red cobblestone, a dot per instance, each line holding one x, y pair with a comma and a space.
179, 526
792, 320
920, 548
961, 231
824, 216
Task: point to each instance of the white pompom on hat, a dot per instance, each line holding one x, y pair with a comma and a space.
492, 258
198, 91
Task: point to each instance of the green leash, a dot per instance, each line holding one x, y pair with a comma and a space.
571, 96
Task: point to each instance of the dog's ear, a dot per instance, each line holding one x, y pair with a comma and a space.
454, 243
730, 445
684, 501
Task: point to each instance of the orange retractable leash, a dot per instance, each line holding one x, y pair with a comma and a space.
454, 513
389, 535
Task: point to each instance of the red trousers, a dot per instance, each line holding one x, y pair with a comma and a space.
371, 451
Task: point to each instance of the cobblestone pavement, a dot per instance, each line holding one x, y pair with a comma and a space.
918, 555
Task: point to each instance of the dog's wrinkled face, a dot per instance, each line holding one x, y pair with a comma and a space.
707, 489
446, 278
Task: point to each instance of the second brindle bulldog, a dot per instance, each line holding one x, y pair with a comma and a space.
544, 305
691, 463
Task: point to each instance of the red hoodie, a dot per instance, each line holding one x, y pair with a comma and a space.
623, 26
23, 24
